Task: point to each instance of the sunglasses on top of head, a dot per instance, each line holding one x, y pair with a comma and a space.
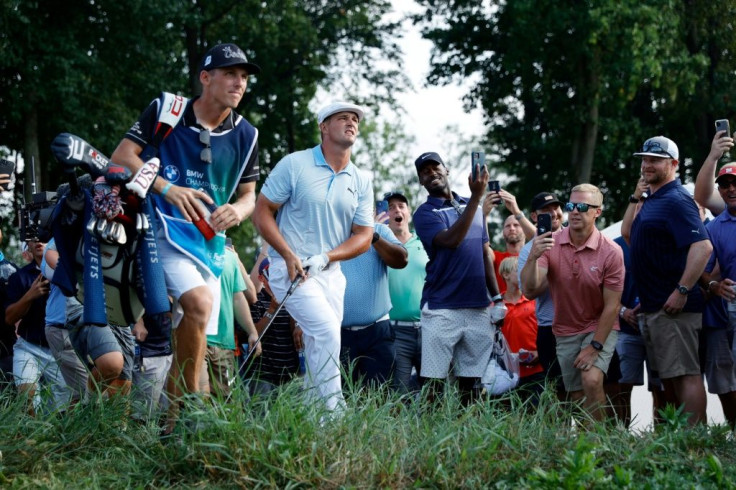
655, 147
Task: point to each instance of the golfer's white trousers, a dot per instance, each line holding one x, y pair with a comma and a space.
316, 305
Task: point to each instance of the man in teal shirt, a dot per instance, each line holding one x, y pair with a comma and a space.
405, 287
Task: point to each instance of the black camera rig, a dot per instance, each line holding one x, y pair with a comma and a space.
35, 217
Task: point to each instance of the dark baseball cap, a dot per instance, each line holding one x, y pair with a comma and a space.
224, 55
395, 195
543, 199
430, 156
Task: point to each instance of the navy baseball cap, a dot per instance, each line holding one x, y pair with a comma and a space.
395, 195
542, 199
430, 156
224, 55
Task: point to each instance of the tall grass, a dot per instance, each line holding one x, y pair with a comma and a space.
380, 441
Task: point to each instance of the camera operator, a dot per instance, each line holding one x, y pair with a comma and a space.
27, 294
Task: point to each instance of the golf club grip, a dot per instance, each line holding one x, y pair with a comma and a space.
289, 292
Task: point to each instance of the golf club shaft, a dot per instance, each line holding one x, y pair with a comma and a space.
292, 288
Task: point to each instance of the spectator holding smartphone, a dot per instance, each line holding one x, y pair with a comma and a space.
460, 284
545, 203
584, 271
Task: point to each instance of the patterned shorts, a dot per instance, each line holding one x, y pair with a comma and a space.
462, 336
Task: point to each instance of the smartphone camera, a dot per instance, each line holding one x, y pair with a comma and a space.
544, 223
6, 167
381, 207
494, 186
477, 162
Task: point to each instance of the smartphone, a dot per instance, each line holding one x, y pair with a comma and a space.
494, 186
722, 125
381, 207
6, 167
544, 223
477, 161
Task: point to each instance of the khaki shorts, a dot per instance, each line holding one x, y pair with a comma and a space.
218, 371
569, 347
672, 343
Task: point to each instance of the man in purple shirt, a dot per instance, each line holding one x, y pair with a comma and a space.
456, 318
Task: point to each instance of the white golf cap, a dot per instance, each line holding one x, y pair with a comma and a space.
659, 147
336, 107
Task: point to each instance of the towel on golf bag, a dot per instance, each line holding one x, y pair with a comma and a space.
503, 372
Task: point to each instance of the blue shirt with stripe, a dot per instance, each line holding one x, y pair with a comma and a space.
455, 277
318, 205
545, 308
367, 295
661, 234
722, 232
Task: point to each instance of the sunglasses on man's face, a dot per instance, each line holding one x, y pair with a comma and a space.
725, 184
206, 154
580, 206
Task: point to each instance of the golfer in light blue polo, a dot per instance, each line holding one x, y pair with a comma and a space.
323, 208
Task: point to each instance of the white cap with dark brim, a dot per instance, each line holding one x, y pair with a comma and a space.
659, 147
336, 107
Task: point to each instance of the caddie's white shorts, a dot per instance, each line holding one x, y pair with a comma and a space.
184, 274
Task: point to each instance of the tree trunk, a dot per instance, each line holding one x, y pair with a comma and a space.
584, 148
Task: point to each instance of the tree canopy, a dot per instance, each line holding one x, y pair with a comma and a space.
90, 67
571, 89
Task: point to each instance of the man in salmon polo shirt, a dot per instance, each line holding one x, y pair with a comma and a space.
584, 272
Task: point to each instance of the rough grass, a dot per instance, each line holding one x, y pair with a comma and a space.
379, 442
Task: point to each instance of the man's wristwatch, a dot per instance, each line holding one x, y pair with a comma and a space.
622, 311
376, 236
682, 289
519, 216
633, 199
596, 345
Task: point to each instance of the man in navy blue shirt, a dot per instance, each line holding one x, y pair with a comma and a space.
720, 278
7, 333
669, 251
456, 318
33, 362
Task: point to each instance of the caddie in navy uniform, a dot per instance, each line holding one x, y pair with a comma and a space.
210, 155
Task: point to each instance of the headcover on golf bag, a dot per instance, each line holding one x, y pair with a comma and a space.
105, 235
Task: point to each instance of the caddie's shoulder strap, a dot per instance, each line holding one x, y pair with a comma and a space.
170, 113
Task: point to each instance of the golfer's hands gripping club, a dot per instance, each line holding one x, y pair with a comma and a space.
315, 264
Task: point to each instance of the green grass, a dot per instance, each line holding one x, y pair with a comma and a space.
378, 443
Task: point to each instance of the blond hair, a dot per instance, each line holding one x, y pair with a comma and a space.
508, 265
595, 192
